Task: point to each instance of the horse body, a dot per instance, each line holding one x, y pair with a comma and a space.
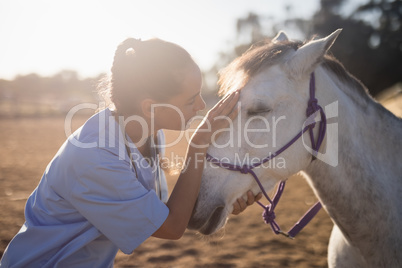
362, 193
357, 176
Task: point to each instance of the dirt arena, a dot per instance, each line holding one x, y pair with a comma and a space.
28, 144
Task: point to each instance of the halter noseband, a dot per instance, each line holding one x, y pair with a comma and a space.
268, 214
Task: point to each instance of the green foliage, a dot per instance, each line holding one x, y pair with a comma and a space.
370, 45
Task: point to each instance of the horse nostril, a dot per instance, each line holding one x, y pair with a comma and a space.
208, 222
213, 221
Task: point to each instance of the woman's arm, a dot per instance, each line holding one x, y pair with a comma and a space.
185, 192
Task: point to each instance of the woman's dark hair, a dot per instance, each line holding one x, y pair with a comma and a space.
154, 67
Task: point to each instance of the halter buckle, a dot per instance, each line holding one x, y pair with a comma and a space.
285, 234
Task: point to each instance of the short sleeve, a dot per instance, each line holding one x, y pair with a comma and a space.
110, 197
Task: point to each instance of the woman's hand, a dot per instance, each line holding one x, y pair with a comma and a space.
218, 117
240, 205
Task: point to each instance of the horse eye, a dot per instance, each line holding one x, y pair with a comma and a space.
259, 111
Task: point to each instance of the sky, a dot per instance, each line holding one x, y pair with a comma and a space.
47, 36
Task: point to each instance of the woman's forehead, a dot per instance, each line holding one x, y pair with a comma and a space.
192, 81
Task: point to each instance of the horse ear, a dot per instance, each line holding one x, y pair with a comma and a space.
307, 57
281, 36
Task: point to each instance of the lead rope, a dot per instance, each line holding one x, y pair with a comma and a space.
269, 215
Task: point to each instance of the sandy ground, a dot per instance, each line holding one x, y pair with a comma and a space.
27, 146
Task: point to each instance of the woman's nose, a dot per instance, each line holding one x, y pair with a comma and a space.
200, 104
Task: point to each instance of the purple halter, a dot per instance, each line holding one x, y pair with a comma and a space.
268, 214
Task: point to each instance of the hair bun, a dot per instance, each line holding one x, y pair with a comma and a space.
130, 51
127, 48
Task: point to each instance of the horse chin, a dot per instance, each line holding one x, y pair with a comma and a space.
213, 224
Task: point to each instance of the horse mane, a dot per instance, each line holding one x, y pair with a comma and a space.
258, 57
265, 54
332, 64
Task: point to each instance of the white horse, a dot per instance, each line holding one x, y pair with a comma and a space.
358, 172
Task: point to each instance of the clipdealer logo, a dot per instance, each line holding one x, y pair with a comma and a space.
331, 142
328, 152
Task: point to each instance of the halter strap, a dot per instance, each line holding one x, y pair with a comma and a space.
268, 214
312, 108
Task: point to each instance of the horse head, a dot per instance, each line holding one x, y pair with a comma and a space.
274, 80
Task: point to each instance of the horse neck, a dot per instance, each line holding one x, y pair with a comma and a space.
361, 193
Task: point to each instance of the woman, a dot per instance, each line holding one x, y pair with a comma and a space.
104, 190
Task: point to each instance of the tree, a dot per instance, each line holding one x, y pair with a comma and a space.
370, 45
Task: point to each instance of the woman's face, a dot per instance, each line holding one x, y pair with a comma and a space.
178, 111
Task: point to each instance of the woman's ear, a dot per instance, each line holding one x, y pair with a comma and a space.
147, 108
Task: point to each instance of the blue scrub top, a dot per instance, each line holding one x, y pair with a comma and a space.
89, 202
